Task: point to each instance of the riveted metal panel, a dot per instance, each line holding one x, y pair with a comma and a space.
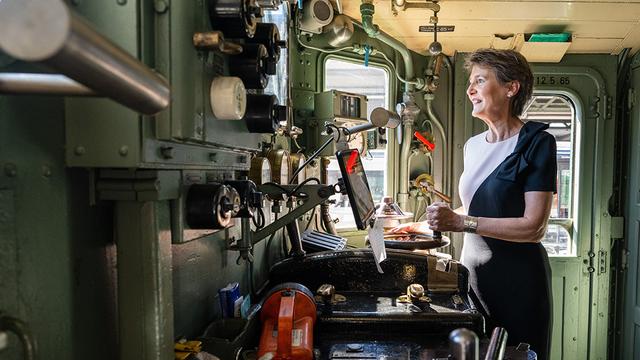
8, 253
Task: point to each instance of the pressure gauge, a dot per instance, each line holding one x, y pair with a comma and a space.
279, 166
297, 160
359, 142
260, 171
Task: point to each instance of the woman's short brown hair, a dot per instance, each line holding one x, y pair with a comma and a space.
508, 65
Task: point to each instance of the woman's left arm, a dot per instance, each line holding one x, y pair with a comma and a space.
531, 227
538, 186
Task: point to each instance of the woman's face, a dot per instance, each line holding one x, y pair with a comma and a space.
490, 98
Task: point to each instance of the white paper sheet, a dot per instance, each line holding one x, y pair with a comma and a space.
376, 240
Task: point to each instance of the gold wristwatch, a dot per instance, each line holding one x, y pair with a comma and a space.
470, 224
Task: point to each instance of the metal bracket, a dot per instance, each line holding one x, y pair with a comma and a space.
141, 185
589, 269
403, 5
602, 262
311, 195
594, 106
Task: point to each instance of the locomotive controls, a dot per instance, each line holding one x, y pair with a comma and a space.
263, 113
280, 164
268, 35
260, 171
297, 160
211, 206
251, 66
228, 98
237, 18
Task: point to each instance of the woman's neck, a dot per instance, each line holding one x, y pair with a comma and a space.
503, 129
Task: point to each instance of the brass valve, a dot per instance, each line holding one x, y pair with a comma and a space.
415, 294
425, 183
326, 294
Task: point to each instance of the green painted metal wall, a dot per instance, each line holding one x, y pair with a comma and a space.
57, 252
58, 239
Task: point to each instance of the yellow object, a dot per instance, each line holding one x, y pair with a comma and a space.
185, 348
182, 355
425, 183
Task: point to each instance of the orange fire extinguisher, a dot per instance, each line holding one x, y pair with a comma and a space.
288, 316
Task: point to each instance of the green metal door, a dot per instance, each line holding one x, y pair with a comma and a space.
581, 277
631, 332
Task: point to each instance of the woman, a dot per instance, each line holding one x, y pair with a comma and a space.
506, 190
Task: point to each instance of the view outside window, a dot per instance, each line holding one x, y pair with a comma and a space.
559, 113
374, 83
278, 83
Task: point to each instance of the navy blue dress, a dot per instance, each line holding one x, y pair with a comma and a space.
512, 280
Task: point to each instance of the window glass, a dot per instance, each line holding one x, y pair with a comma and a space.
278, 83
559, 113
374, 83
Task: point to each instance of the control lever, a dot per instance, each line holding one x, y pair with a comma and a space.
425, 183
497, 344
250, 201
463, 344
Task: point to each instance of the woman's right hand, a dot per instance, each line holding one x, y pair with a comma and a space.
411, 228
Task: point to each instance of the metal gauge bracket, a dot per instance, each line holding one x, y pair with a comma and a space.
312, 195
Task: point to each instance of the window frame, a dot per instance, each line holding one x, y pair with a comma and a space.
390, 153
570, 224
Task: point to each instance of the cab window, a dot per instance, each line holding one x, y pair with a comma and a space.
559, 112
373, 82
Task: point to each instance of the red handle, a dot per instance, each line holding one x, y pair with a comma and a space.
424, 140
285, 324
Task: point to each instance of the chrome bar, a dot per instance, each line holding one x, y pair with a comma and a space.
48, 32
41, 84
497, 344
463, 344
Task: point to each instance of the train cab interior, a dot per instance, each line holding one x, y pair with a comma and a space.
215, 179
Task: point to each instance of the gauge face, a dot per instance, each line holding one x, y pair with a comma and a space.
358, 142
260, 171
265, 173
297, 160
284, 169
280, 166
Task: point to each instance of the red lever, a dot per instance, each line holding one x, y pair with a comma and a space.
424, 140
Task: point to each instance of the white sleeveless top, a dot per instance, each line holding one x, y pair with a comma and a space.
480, 159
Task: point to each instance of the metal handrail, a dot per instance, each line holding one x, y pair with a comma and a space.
65, 42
